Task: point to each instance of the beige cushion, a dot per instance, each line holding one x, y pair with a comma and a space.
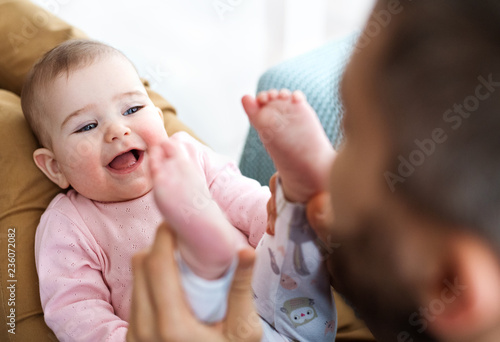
24, 196
26, 33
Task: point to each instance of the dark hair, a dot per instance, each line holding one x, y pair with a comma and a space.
439, 71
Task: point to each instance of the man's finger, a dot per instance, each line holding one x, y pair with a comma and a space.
271, 215
141, 327
272, 183
242, 322
271, 206
163, 281
320, 216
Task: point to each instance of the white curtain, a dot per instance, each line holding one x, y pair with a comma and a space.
297, 26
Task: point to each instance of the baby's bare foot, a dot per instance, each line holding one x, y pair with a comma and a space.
205, 238
294, 138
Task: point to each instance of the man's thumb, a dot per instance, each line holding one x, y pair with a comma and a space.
242, 322
320, 215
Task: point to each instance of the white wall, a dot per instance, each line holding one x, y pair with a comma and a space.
204, 55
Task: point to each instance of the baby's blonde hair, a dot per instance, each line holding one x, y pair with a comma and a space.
64, 58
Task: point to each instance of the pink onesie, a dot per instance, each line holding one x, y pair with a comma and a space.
83, 248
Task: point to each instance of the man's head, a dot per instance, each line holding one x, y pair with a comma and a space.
415, 187
94, 119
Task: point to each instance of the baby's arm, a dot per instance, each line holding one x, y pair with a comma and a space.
294, 138
74, 296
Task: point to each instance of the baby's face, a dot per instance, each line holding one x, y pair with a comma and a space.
102, 125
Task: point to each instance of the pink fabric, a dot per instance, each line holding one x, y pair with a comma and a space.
83, 248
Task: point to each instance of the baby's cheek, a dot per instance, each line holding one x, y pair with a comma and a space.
81, 152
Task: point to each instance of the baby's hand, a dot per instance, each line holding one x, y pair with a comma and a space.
180, 189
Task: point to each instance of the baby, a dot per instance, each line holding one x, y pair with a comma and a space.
104, 140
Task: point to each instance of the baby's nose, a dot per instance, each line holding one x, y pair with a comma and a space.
116, 131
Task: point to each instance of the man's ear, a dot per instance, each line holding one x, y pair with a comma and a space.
465, 303
45, 160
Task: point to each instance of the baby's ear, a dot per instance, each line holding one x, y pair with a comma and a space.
45, 160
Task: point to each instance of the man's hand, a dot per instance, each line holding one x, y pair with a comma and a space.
271, 205
159, 311
318, 211
320, 215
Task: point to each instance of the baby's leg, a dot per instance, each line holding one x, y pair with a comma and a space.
206, 240
293, 136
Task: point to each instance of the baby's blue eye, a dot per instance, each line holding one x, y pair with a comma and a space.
132, 110
87, 128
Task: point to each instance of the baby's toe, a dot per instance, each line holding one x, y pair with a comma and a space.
284, 94
298, 96
263, 97
273, 94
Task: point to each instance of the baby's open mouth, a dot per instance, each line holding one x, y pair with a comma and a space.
125, 160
